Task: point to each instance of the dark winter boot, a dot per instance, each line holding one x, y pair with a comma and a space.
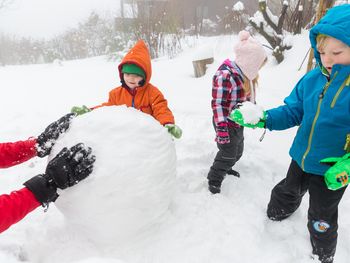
324, 256
233, 172
276, 214
214, 186
326, 259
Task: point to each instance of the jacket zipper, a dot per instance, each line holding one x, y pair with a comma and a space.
347, 144
325, 88
345, 83
133, 94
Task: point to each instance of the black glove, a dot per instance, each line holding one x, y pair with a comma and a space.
69, 167
47, 139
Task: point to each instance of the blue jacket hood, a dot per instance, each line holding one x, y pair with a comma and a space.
334, 23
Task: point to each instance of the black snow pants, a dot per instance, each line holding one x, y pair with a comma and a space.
227, 155
322, 224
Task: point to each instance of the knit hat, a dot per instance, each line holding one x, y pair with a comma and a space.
133, 69
250, 55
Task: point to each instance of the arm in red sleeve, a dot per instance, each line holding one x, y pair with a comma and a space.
14, 153
16, 206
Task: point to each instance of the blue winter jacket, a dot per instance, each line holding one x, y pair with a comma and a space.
319, 104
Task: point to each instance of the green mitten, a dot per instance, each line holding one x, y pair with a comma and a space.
80, 110
174, 130
337, 176
236, 116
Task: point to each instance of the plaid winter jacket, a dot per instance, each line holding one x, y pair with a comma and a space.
227, 91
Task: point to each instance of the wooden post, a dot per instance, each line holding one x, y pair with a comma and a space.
200, 66
323, 6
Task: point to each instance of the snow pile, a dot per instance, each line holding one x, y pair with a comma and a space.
203, 52
251, 112
132, 184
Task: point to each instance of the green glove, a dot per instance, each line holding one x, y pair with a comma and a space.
174, 130
80, 110
236, 116
337, 176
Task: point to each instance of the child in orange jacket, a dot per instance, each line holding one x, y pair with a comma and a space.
136, 90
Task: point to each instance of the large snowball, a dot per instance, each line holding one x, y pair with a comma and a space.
133, 179
252, 113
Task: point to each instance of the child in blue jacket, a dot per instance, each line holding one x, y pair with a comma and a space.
320, 105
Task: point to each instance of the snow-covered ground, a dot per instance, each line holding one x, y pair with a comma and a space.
198, 226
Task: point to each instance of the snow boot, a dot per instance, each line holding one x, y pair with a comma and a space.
323, 255
214, 186
277, 214
234, 173
323, 259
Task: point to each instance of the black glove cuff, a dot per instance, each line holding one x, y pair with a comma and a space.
43, 191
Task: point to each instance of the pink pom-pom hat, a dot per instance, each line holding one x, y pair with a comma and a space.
250, 54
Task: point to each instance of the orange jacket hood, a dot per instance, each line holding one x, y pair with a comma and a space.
139, 56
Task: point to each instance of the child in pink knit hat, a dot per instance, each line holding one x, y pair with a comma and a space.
233, 83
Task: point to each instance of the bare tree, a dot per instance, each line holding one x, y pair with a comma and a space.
234, 19
299, 15
271, 28
155, 23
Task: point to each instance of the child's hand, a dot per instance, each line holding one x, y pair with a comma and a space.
80, 110
237, 116
174, 130
222, 134
68, 168
47, 139
337, 176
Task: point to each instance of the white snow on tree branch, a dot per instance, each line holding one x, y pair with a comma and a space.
258, 19
239, 6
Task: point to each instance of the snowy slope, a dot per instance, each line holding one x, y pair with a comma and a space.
200, 227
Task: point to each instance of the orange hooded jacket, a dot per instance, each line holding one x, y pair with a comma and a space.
146, 98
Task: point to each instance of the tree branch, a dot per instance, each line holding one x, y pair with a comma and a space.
282, 17
272, 41
262, 8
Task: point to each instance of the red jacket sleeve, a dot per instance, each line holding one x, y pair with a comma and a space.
13, 153
15, 206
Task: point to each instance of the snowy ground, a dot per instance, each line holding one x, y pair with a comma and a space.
199, 227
